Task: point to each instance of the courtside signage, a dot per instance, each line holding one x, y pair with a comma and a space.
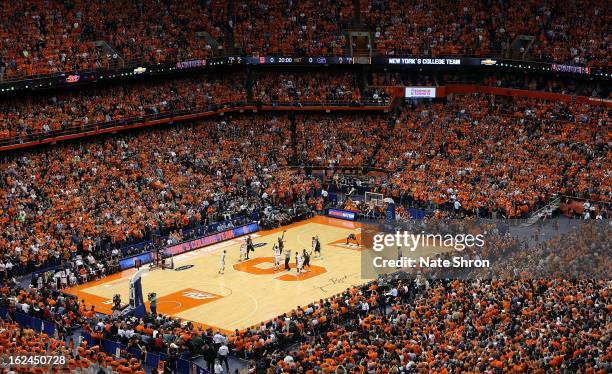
211, 239
343, 214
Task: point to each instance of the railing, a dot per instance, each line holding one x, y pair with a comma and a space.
127, 64
25, 320
592, 201
182, 365
408, 52
97, 126
151, 360
223, 54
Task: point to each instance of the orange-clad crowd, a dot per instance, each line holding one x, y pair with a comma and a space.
537, 321
70, 211
41, 116
573, 33
519, 153
46, 37
95, 195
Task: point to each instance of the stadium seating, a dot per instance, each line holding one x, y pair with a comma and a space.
306, 87
79, 111
339, 140
446, 149
291, 27
444, 28
446, 327
405, 323
50, 37
136, 184
279, 144
41, 115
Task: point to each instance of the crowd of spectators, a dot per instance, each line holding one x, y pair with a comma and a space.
533, 319
442, 326
69, 200
438, 28
289, 27
309, 87
153, 333
347, 140
573, 33
587, 256
73, 199
45, 113
77, 110
543, 306
67, 315
519, 153
45, 37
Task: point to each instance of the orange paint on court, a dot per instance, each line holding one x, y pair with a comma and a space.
188, 298
341, 243
183, 300
251, 267
102, 304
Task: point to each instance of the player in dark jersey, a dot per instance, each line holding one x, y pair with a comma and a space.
250, 248
352, 238
306, 256
316, 246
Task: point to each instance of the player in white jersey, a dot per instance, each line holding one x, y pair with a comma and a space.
222, 262
243, 252
277, 256
299, 260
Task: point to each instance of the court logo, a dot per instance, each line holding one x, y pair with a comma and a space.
257, 245
198, 295
183, 267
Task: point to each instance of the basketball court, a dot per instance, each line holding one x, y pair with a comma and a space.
250, 292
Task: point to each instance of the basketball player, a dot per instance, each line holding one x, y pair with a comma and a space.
222, 263
249, 245
306, 256
287, 259
352, 238
277, 256
281, 241
243, 252
299, 262
316, 246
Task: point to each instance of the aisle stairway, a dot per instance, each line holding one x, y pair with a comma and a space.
545, 211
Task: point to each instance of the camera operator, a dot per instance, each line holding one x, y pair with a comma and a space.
116, 302
153, 302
